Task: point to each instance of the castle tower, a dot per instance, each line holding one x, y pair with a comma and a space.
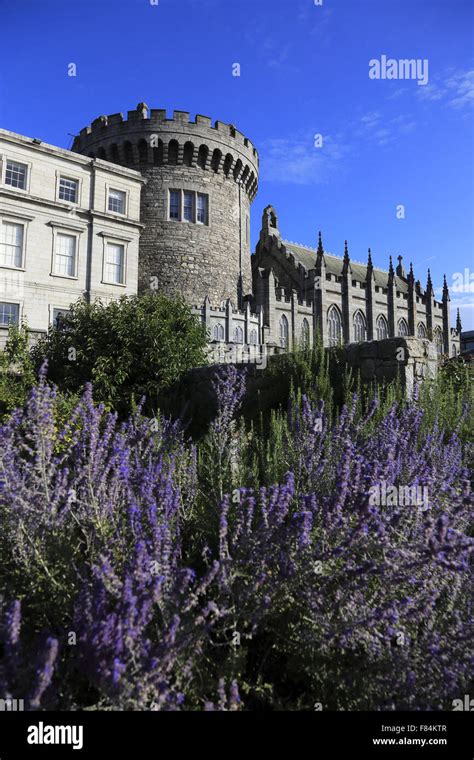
195, 205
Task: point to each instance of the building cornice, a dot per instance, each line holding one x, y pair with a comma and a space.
68, 155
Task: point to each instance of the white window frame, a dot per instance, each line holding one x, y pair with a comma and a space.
5, 158
117, 189
113, 240
71, 232
72, 178
24, 222
20, 312
53, 308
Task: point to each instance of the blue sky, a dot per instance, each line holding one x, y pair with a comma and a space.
304, 71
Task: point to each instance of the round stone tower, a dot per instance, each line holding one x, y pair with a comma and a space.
195, 205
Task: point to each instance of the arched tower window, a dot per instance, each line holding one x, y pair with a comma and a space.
438, 340
334, 326
360, 327
402, 328
173, 149
216, 160
305, 333
284, 332
143, 151
454, 350
114, 154
245, 175
382, 327
421, 330
238, 335
188, 154
237, 169
218, 332
202, 156
158, 154
128, 152
253, 337
228, 164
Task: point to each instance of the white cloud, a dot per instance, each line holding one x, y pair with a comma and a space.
298, 162
454, 87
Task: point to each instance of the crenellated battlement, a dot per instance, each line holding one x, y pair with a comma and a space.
149, 138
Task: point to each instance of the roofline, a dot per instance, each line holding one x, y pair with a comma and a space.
69, 155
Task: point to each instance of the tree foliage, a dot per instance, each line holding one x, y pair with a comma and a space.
128, 348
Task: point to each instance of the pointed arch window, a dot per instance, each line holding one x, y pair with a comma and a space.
334, 326
438, 340
382, 327
238, 335
360, 327
402, 328
218, 332
253, 337
421, 330
284, 332
305, 333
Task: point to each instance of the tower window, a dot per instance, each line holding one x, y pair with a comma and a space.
202, 208
15, 175
188, 206
175, 204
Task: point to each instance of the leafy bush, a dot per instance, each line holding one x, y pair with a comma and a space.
133, 347
242, 573
17, 375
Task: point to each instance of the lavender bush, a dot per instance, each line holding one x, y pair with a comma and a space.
247, 572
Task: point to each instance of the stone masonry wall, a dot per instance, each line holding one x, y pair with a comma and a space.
182, 257
412, 359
